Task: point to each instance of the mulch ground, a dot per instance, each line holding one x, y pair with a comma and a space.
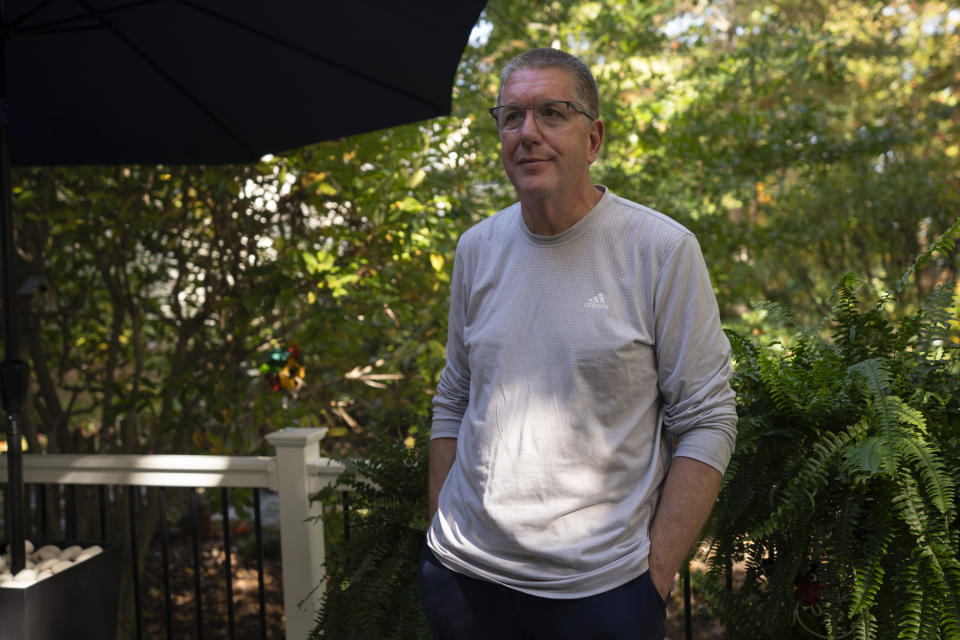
213, 596
702, 625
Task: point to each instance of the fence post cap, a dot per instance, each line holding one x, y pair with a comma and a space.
296, 436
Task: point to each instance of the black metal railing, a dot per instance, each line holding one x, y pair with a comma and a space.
52, 512
108, 497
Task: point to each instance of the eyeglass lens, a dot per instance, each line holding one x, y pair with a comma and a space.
550, 113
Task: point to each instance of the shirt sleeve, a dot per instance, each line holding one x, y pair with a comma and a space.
453, 388
693, 360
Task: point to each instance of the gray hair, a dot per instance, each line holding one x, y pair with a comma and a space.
585, 86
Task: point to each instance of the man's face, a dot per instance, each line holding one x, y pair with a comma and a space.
543, 162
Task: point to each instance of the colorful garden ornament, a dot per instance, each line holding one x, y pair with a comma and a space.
282, 371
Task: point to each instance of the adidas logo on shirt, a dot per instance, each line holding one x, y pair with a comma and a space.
597, 302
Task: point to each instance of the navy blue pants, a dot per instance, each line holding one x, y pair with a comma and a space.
463, 608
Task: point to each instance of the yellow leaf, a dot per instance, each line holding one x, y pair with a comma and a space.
325, 189
437, 261
762, 196
416, 179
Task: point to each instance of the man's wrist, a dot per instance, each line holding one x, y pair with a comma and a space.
660, 576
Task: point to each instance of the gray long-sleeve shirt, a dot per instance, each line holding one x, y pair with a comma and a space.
572, 362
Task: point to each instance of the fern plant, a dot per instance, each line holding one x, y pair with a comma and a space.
372, 589
841, 498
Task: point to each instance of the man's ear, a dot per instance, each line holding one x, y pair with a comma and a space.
596, 140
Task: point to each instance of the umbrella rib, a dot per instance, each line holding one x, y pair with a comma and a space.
173, 81
51, 27
310, 54
46, 31
32, 11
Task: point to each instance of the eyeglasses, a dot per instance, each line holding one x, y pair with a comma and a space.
549, 113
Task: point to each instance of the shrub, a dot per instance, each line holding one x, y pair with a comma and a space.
372, 589
841, 496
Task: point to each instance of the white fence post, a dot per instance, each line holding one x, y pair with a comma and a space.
301, 540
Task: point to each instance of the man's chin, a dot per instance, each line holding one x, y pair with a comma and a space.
535, 187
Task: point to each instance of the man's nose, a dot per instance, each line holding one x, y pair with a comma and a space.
529, 126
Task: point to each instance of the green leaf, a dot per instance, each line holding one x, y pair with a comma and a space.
872, 456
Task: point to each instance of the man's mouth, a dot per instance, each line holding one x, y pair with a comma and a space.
532, 160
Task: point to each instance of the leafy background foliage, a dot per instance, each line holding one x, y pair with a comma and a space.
799, 143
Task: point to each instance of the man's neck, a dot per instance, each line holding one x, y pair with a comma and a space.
552, 216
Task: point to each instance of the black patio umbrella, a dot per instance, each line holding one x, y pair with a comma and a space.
202, 82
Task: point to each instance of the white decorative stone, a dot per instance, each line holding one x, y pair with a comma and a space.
61, 565
16, 584
47, 552
27, 575
27, 549
71, 552
46, 564
88, 553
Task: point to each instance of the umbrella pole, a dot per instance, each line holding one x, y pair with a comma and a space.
13, 371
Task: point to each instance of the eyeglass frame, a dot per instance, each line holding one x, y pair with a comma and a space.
532, 107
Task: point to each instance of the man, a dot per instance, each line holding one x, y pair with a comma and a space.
584, 339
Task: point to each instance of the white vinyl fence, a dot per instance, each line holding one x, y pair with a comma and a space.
295, 472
